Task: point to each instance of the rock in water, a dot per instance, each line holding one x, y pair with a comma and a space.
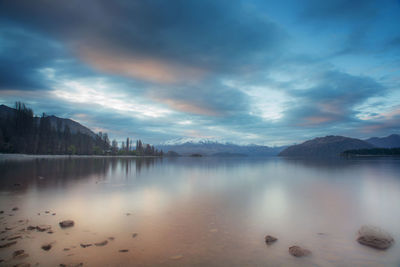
374, 237
67, 223
102, 243
6, 245
299, 251
269, 239
18, 252
42, 228
46, 247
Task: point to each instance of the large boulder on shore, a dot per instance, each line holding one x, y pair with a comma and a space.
299, 251
269, 239
374, 237
67, 223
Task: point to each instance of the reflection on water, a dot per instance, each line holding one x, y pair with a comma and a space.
199, 211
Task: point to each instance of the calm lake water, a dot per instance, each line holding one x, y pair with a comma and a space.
199, 211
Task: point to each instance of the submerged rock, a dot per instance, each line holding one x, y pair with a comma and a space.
67, 223
14, 237
299, 251
6, 245
43, 228
20, 254
102, 243
374, 237
72, 264
269, 239
46, 247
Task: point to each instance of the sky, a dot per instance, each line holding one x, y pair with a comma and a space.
246, 72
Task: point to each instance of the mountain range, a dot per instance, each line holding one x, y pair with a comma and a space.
321, 146
212, 147
335, 145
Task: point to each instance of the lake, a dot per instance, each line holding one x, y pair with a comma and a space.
198, 211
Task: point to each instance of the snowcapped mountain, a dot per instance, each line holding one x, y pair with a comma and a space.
191, 140
211, 147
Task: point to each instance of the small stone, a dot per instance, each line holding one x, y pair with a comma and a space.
14, 237
299, 251
46, 247
102, 243
134, 235
15, 208
1, 211
6, 245
47, 211
127, 214
43, 228
176, 257
67, 223
50, 232
374, 237
18, 252
53, 214
269, 239
123, 250
111, 238
67, 249
31, 227
71, 265
86, 245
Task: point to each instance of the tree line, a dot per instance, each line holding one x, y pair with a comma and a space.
22, 132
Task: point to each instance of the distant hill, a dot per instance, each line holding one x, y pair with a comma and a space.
206, 147
328, 146
55, 122
373, 152
22, 132
390, 141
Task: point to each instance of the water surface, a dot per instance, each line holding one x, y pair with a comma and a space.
199, 211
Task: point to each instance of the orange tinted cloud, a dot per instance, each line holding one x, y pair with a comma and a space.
148, 69
183, 106
315, 120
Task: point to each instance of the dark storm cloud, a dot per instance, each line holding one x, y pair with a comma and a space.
339, 10
168, 31
22, 55
332, 99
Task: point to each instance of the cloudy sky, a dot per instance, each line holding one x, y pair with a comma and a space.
263, 72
